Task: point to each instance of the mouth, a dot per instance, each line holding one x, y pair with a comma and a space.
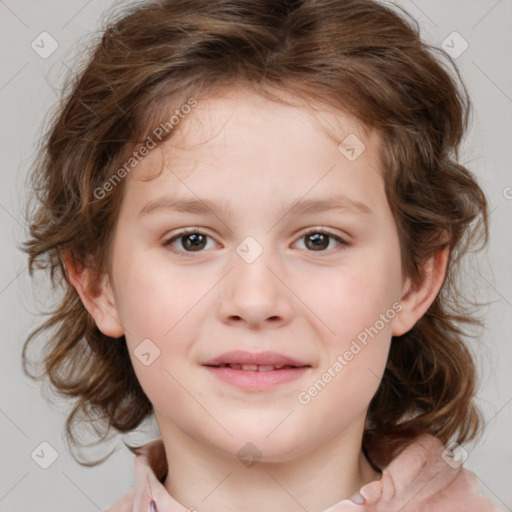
256, 371
257, 367
254, 361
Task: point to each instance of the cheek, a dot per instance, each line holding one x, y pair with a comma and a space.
359, 311
156, 308
355, 297
154, 297
351, 374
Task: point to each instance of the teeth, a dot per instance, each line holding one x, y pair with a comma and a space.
255, 367
266, 367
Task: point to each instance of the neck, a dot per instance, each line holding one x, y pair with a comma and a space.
212, 480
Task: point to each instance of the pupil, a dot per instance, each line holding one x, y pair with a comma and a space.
197, 241
319, 240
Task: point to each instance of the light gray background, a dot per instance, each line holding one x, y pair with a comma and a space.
28, 87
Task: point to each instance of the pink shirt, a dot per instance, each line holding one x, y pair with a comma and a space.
417, 480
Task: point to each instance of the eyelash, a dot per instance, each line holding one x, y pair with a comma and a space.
185, 232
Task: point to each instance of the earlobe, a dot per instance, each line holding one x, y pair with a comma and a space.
417, 297
96, 295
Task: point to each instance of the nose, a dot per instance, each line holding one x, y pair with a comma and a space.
256, 294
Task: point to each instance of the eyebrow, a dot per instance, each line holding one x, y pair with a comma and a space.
339, 203
221, 209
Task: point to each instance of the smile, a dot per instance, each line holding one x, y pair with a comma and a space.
256, 377
255, 367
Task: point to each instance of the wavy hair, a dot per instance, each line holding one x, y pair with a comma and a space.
357, 56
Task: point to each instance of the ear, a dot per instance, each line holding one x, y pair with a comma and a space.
417, 297
96, 294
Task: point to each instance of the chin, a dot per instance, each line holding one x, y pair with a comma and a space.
267, 444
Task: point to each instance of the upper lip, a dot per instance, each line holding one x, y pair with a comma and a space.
258, 358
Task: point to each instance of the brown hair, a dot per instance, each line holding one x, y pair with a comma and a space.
357, 56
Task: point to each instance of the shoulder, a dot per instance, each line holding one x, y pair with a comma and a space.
424, 477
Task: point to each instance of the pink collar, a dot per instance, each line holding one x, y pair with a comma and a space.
421, 478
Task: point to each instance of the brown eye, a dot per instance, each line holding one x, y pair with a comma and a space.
319, 241
193, 242
188, 241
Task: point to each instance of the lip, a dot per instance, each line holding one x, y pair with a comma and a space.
254, 380
258, 358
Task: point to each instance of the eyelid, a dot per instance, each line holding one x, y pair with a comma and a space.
312, 230
182, 233
319, 229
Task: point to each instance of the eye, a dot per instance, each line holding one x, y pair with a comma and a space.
191, 240
318, 240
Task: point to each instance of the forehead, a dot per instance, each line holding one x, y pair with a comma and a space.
239, 139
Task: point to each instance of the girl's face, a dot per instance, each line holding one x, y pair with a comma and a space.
296, 254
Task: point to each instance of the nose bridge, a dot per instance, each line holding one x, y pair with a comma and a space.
254, 293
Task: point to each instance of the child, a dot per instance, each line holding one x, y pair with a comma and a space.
305, 351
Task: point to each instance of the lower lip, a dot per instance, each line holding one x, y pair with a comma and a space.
253, 380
